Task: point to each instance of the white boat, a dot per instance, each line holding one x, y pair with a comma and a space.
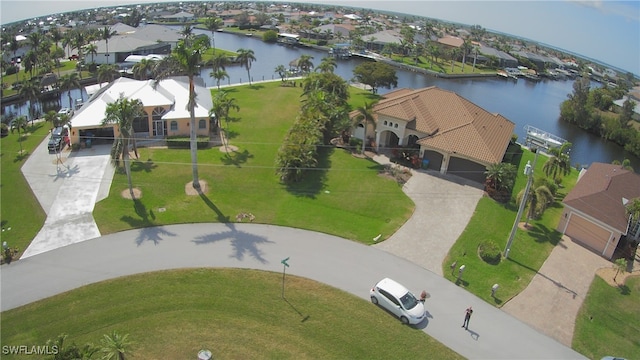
542, 138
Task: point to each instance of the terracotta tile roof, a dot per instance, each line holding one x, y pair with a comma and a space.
450, 123
451, 41
600, 192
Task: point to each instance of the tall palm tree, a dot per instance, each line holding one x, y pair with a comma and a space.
143, 69
78, 41
105, 34
115, 346
365, 113
559, 163
222, 105
186, 59
20, 122
282, 71
123, 112
219, 61
14, 46
108, 73
212, 24
92, 50
69, 82
466, 48
327, 65
31, 91
305, 64
245, 58
219, 75
52, 117
453, 54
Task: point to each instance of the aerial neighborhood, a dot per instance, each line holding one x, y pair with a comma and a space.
126, 143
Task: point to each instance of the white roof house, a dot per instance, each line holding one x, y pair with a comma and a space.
165, 103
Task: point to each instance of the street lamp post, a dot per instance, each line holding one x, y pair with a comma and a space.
528, 171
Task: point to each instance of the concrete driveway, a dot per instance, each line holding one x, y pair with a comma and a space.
67, 185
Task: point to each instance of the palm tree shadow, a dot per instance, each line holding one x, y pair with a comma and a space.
220, 216
542, 234
236, 158
243, 243
146, 166
144, 217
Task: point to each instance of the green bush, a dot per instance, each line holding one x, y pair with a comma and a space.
489, 252
11, 70
183, 142
270, 36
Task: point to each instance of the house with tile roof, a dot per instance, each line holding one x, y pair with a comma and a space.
595, 213
165, 109
453, 134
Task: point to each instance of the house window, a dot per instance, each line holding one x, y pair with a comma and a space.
174, 125
202, 124
395, 126
385, 122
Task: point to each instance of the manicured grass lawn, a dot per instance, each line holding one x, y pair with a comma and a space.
529, 250
344, 196
609, 321
174, 314
21, 213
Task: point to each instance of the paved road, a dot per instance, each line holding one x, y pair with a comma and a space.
347, 265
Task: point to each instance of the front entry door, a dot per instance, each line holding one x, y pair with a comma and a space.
158, 128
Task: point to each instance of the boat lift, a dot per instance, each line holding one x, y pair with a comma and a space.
542, 139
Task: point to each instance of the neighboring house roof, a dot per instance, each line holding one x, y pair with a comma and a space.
172, 92
451, 41
450, 122
142, 36
602, 192
180, 15
384, 37
620, 102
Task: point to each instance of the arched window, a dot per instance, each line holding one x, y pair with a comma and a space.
174, 125
158, 112
202, 124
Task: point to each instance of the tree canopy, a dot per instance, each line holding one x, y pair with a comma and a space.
376, 75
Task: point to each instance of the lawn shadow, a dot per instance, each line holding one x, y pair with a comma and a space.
242, 242
21, 156
304, 318
145, 166
314, 179
236, 158
540, 233
254, 86
624, 289
474, 335
63, 171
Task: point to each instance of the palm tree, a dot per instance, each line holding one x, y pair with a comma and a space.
559, 163
305, 64
453, 54
68, 82
186, 59
114, 346
212, 24
143, 69
108, 73
501, 177
538, 201
105, 34
122, 113
245, 58
52, 117
365, 113
327, 64
14, 46
282, 71
466, 47
222, 105
219, 61
92, 50
20, 122
31, 91
219, 75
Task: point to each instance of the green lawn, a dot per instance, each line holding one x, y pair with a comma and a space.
174, 314
21, 213
343, 196
529, 250
608, 322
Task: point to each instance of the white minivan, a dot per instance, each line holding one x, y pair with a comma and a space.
398, 300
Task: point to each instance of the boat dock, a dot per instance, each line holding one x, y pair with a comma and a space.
541, 138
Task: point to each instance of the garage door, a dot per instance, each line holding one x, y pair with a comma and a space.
587, 233
467, 169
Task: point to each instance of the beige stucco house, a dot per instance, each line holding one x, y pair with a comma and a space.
594, 212
453, 134
165, 107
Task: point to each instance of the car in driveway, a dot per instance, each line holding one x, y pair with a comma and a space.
57, 139
398, 300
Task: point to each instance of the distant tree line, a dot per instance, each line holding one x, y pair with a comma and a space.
586, 106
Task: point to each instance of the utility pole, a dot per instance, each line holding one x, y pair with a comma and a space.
528, 170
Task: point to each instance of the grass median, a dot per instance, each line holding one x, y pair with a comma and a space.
174, 314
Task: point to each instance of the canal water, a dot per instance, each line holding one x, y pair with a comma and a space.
523, 102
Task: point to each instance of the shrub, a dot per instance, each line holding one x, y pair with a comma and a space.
183, 142
11, 70
489, 252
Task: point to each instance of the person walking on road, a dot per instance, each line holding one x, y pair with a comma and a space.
467, 316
